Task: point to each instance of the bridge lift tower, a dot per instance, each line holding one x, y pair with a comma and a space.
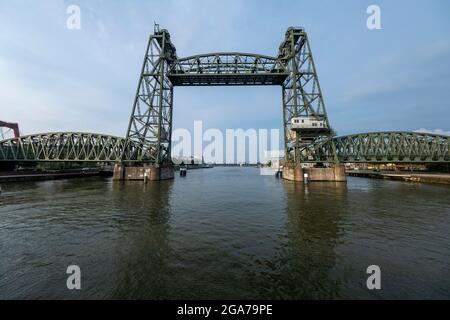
305, 120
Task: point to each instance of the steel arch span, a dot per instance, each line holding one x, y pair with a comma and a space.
382, 147
376, 147
67, 147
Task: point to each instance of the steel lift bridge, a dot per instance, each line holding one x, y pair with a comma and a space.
308, 135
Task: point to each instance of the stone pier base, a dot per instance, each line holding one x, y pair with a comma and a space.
124, 172
296, 173
293, 172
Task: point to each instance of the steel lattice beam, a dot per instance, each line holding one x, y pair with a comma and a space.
382, 147
68, 147
375, 147
150, 125
227, 68
148, 138
301, 93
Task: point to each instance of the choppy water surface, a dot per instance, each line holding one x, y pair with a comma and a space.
224, 233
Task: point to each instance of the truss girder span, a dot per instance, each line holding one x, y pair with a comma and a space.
375, 147
383, 147
293, 69
67, 147
227, 68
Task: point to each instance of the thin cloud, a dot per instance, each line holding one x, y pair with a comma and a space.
86, 80
433, 131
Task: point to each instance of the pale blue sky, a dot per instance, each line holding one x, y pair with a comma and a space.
55, 79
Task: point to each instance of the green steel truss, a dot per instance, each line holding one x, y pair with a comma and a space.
150, 124
382, 147
301, 94
67, 146
374, 147
227, 68
148, 138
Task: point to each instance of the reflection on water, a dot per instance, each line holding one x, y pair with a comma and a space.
224, 233
313, 215
144, 269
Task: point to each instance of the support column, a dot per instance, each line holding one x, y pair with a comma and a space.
333, 173
295, 172
153, 173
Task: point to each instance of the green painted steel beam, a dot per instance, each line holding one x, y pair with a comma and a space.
67, 147
372, 147
149, 134
383, 147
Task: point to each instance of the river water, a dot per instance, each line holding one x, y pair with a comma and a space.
224, 233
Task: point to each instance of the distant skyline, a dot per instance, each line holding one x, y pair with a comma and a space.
55, 79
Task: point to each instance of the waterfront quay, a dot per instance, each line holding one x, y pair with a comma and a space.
443, 178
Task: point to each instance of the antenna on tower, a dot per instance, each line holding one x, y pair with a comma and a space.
156, 27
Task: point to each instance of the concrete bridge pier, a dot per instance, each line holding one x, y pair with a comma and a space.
144, 173
295, 172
